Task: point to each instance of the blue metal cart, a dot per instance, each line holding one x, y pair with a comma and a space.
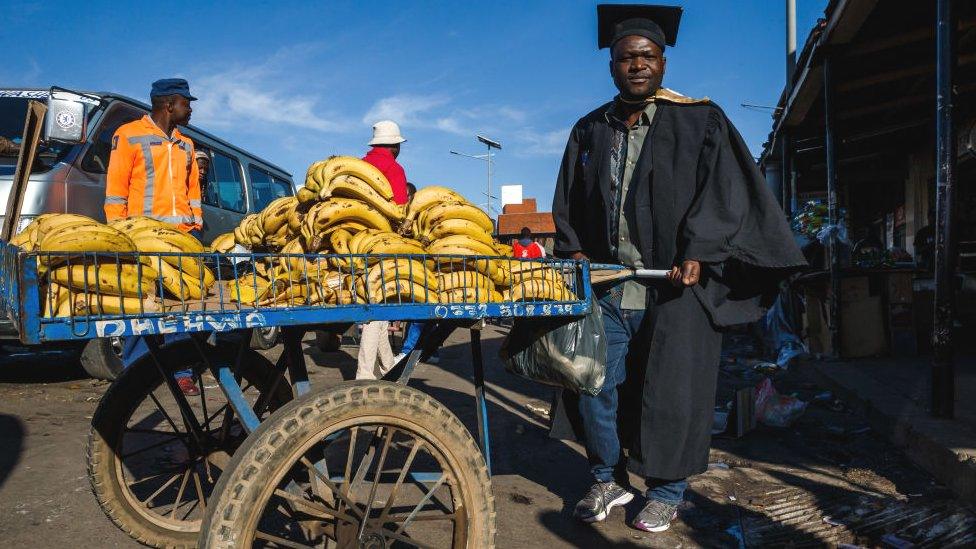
341, 486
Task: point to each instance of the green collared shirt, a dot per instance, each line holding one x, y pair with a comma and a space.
625, 148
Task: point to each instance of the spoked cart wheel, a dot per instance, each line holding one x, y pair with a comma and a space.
367, 464
152, 469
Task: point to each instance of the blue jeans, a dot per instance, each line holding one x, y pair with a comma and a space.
133, 348
599, 413
411, 337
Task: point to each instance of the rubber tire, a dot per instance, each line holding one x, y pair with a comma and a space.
328, 341
255, 467
121, 398
265, 338
100, 360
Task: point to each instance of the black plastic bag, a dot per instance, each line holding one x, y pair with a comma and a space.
567, 352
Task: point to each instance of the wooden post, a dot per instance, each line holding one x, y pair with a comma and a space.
25, 159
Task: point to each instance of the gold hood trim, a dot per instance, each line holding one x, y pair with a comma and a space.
664, 94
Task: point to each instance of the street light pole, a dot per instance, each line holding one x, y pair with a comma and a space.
491, 144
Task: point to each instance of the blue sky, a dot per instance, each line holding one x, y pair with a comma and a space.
296, 82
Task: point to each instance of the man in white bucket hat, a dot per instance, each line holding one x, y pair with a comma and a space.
386, 148
374, 341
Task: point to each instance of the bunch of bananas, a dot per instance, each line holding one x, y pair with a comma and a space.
346, 209
86, 269
448, 225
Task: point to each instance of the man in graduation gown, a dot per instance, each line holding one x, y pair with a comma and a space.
657, 180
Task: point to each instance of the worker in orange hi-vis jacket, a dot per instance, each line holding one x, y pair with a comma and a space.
152, 172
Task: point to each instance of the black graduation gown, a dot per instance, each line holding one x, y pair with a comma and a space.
699, 195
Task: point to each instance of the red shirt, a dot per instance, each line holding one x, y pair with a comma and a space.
382, 158
532, 251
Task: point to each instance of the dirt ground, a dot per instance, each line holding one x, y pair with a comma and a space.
825, 480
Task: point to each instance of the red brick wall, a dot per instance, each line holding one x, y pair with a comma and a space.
538, 223
527, 206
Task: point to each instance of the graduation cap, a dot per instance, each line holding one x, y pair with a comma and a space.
659, 24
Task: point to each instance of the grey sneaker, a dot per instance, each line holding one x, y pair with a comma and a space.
656, 516
602, 497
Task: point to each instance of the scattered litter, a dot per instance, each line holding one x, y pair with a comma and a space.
860, 431
720, 421
731, 497
718, 465
774, 409
520, 499
827, 519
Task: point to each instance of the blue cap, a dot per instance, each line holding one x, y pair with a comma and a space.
171, 86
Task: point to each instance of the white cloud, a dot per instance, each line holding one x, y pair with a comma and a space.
406, 110
536, 143
452, 125
244, 95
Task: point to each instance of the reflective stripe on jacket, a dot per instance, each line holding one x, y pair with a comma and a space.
153, 175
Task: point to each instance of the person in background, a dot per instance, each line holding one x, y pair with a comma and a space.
203, 166
152, 171
374, 337
411, 335
526, 247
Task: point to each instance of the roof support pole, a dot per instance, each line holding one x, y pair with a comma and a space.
833, 246
788, 186
943, 375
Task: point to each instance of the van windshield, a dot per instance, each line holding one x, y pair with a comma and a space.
13, 112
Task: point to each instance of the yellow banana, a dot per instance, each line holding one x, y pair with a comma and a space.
471, 295
439, 212
464, 241
311, 183
47, 224
338, 210
400, 291
100, 304
86, 238
430, 196
399, 269
25, 239
241, 238
395, 245
306, 195
223, 243
130, 224
355, 242
539, 290
173, 280
339, 240
458, 227
350, 186
464, 279
109, 278
275, 214
349, 165
54, 299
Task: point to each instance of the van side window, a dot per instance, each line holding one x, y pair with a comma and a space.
225, 186
96, 159
266, 188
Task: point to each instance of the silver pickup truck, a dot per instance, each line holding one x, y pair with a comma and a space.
69, 177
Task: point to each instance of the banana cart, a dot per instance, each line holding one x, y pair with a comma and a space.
258, 458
